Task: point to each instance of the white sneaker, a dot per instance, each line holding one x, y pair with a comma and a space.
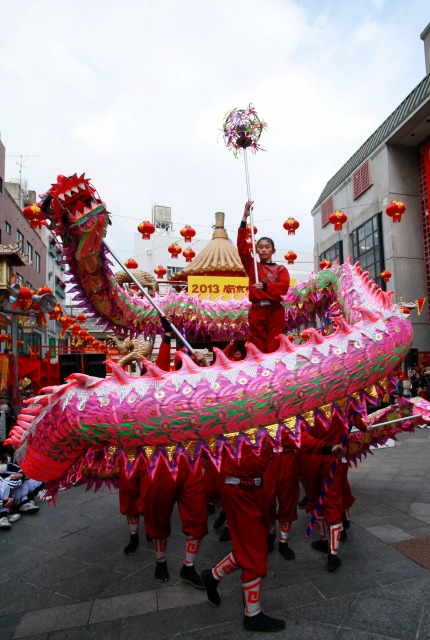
4, 523
41, 494
27, 507
13, 517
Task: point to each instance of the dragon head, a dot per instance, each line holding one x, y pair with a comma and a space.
76, 212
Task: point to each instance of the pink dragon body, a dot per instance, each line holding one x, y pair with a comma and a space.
89, 423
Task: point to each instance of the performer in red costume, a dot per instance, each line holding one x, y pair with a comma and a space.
240, 486
315, 469
267, 316
187, 490
132, 492
282, 490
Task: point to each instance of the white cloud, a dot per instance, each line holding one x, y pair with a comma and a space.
134, 94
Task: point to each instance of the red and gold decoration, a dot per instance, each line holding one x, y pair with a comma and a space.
290, 257
188, 233
43, 290
325, 264
131, 263
386, 275
395, 210
175, 250
188, 254
24, 300
338, 219
160, 271
81, 317
146, 228
291, 225
56, 312
34, 215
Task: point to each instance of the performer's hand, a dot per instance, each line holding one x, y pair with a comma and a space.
338, 451
248, 208
199, 359
258, 286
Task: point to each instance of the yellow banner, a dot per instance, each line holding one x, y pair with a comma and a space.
217, 287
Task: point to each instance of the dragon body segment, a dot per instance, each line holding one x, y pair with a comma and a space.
88, 423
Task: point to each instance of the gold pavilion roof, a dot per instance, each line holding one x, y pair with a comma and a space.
219, 255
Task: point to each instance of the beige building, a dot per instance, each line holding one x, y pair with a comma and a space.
393, 164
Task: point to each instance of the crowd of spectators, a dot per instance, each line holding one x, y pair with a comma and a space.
416, 382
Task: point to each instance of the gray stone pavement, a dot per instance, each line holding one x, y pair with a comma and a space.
64, 576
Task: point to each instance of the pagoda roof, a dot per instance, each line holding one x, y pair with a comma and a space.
13, 251
219, 255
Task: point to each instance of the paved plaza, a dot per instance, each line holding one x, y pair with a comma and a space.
64, 575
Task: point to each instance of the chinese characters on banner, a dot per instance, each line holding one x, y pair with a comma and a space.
217, 287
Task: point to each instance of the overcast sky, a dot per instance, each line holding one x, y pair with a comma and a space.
133, 93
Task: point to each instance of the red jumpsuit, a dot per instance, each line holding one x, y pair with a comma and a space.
268, 321
246, 510
187, 490
315, 469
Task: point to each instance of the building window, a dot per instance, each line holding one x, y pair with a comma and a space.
29, 253
361, 180
20, 239
326, 211
1, 185
19, 280
333, 253
7, 227
37, 262
172, 270
368, 248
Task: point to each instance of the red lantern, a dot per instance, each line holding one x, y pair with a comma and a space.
188, 254
291, 225
24, 301
20, 343
290, 257
187, 233
395, 210
34, 215
25, 293
160, 271
146, 228
75, 328
385, 275
45, 289
56, 312
90, 339
325, 264
3, 337
338, 219
131, 263
248, 231
81, 317
174, 250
